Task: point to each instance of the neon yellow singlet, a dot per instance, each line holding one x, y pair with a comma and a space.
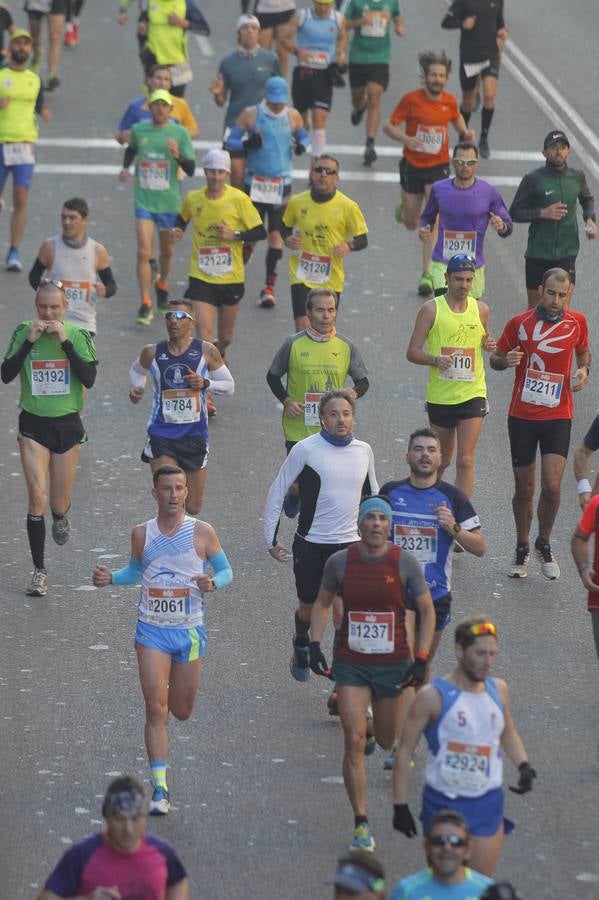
313, 369
167, 42
213, 259
459, 335
17, 120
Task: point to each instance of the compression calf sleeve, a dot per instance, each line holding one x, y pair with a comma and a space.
36, 532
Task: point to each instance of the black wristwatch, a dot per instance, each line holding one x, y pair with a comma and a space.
456, 528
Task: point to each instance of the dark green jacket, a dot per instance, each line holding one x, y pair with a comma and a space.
552, 239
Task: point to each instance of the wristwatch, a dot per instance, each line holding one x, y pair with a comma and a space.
237, 235
456, 528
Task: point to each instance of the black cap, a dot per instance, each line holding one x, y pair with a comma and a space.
555, 137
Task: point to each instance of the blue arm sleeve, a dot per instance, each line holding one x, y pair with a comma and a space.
130, 574
223, 573
302, 136
234, 138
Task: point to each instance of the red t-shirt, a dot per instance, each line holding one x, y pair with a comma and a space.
427, 120
542, 383
589, 524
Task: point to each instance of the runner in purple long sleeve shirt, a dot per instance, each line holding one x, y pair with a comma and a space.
466, 206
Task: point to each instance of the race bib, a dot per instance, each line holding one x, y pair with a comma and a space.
419, 540
371, 632
180, 407
154, 174
472, 69
311, 404
215, 260
266, 190
315, 59
50, 377
377, 24
77, 293
168, 604
19, 154
432, 137
542, 388
462, 364
181, 74
459, 242
466, 766
313, 268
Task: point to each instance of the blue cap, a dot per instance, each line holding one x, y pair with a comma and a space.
276, 90
461, 262
375, 504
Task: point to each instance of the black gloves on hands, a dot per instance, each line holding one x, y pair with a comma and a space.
527, 776
403, 820
318, 661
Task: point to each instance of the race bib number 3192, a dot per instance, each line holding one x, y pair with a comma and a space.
50, 377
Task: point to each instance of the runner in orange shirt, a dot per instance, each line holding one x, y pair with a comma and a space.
419, 122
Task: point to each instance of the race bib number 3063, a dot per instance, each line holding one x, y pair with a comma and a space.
432, 137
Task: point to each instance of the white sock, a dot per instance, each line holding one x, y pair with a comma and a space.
319, 140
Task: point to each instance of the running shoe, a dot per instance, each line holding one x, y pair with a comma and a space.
425, 286
69, 35
388, 760
519, 567
399, 213
370, 745
300, 662
483, 147
145, 314
267, 297
363, 839
161, 295
357, 115
52, 83
38, 586
333, 703
61, 529
160, 803
549, 566
210, 406
369, 156
291, 505
13, 263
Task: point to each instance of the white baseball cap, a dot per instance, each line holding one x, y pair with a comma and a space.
247, 20
217, 159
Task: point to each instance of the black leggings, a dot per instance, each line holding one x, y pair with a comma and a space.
74, 8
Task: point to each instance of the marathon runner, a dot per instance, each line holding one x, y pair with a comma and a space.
588, 527
369, 55
546, 198
106, 864
582, 464
169, 556
21, 97
483, 34
242, 77
55, 13
78, 262
334, 470
321, 226
56, 362
168, 22
72, 31
182, 369
419, 122
142, 22
139, 110
268, 134
465, 206
223, 218
275, 17
161, 147
371, 659
314, 361
359, 875
454, 328
468, 726
317, 38
540, 343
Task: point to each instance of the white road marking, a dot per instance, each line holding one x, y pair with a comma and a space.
204, 44
357, 175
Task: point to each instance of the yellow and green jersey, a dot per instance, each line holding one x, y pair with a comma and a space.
18, 121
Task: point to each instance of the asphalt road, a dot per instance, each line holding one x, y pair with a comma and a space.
260, 810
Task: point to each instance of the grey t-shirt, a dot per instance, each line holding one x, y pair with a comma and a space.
410, 572
244, 78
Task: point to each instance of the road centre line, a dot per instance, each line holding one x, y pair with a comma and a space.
357, 175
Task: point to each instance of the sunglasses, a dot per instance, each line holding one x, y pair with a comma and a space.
178, 314
483, 628
54, 282
324, 170
445, 840
460, 163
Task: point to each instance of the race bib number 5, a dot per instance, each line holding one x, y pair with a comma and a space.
181, 407
371, 632
462, 364
466, 766
542, 388
50, 377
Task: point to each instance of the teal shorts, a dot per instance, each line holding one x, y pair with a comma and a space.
181, 644
437, 273
383, 681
